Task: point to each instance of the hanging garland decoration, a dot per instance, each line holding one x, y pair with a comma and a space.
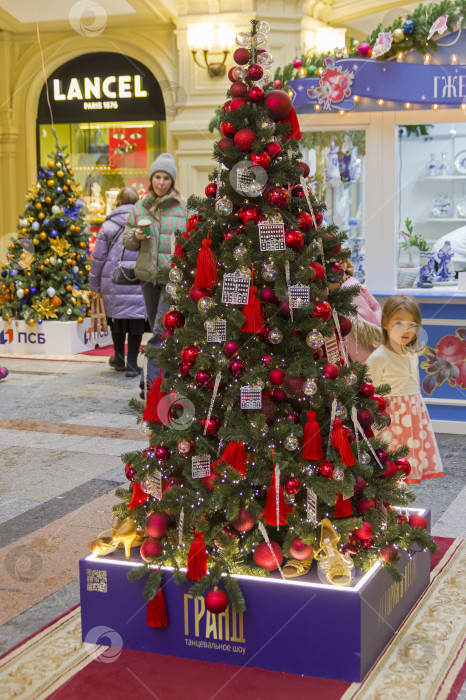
417, 31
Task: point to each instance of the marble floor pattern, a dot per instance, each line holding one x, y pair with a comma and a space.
63, 426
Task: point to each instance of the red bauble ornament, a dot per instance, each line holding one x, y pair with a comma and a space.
401, 519
277, 83
403, 465
294, 416
237, 367
319, 217
278, 197
364, 505
202, 377
196, 293
237, 102
162, 453
189, 354
297, 191
305, 170
294, 239
173, 319
318, 269
151, 547
168, 484
225, 143
130, 472
226, 107
294, 386
262, 159
244, 521
208, 480
304, 221
184, 369
284, 308
273, 149
256, 94
367, 390
417, 521
299, 550
389, 553
359, 484
331, 370
148, 452
249, 212
263, 556
238, 89
364, 532
230, 348
216, 601
255, 72
345, 326
364, 49
241, 56
323, 310
352, 545
337, 268
381, 402
244, 139
390, 470
278, 103
211, 190
365, 417
325, 468
266, 359
192, 222
268, 295
280, 396
382, 455
297, 63
227, 129
157, 524
213, 426
269, 410
277, 376
292, 485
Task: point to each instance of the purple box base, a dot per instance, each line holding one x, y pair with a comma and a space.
296, 626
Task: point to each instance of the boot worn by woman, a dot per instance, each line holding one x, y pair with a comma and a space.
134, 343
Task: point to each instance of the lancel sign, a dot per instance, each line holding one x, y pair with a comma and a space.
100, 83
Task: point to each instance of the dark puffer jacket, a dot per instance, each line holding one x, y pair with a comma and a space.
120, 301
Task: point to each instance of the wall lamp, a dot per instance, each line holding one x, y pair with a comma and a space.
211, 41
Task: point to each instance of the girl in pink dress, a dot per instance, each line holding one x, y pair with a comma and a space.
396, 363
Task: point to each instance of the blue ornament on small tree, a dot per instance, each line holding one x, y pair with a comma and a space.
59, 190
408, 27
53, 233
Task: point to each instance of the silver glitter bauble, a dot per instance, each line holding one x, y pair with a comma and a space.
175, 275
69, 312
269, 272
351, 378
184, 447
55, 209
341, 412
265, 59
244, 39
171, 289
224, 205
239, 73
275, 336
310, 387
260, 41
314, 339
268, 125
51, 292
239, 252
204, 304
291, 443
263, 27
338, 475
365, 458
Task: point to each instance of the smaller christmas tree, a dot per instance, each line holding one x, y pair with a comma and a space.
45, 276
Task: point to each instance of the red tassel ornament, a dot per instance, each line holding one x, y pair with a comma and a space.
197, 558
235, 456
341, 444
206, 268
292, 119
157, 611
253, 314
154, 396
270, 511
343, 507
138, 497
312, 440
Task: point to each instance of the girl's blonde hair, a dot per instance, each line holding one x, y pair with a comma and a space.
401, 302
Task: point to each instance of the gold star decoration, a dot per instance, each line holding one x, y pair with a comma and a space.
45, 308
60, 246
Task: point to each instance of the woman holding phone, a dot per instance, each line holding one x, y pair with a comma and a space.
150, 230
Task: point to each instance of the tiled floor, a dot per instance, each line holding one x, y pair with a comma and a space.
63, 427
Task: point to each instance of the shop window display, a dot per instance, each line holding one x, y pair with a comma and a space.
337, 164
431, 205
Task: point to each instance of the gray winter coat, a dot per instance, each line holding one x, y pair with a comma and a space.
120, 301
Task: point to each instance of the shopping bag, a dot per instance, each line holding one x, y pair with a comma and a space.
98, 317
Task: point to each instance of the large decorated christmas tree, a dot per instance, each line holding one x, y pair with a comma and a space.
46, 273
262, 452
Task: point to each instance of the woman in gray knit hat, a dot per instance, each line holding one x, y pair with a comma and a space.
150, 230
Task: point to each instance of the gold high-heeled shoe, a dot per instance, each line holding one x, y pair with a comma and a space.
332, 566
294, 568
125, 534
328, 536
